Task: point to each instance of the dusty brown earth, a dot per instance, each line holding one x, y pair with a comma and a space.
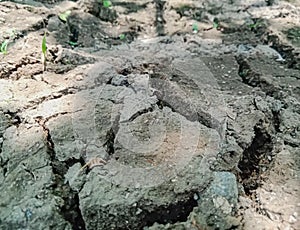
175, 114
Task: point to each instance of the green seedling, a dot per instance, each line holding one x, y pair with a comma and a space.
216, 23
107, 3
3, 48
122, 36
244, 72
73, 44
44, 51
44, 45
195, 28
254, 25
64, 16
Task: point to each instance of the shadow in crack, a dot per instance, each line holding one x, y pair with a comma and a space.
177, 212
159, 17
255, 157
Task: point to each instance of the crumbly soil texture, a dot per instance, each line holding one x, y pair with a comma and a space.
150, 114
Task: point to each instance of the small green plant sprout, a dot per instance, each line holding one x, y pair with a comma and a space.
3, 48
44, 51
64, 16
73, 44
122, 37
244, 73
106, 3
216, 24
195, 28
256, 24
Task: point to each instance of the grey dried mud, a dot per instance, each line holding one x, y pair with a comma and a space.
180, 130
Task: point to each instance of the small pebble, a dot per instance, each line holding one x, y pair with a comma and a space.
79, 77
56, 94
292, 219
196, 197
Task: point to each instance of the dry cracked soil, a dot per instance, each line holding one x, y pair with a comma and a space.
150, 114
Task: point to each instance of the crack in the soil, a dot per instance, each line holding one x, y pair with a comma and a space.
291, 142
46, 119
38, 25
167, 97
175, 212
15, 119
139, 113
3, 164
11, 68
64, 92
276, 120
159, 17
200, 116
287, 52
111, 136
255, 79
70, 209
110, 141
256, 158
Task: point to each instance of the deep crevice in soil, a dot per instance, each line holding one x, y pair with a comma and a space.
171, 214
254, 157
276, 120
139, 113
3, 164
254, 79
286, 51
70, 209
72, 212
159, 17
111, 135
14, 118
110, 141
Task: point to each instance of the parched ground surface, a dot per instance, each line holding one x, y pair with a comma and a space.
150, 115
